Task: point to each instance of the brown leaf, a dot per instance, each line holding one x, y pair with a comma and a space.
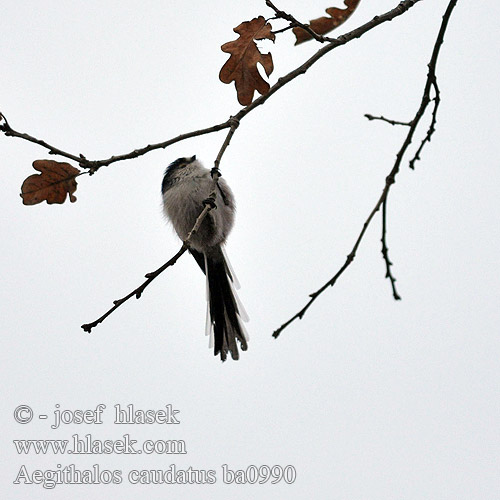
53, 184
241, 67
324, 25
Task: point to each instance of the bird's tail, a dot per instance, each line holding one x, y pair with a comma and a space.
225, 313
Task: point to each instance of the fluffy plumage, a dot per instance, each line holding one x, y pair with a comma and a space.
186, 184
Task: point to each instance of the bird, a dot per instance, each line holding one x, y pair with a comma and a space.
186, 186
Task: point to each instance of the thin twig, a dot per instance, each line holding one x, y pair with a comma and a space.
96, 164
387, 120
234, 125
385, 252
162, 145
10, 132
137, 293
295, 23
390, 179
432, 126
282, 30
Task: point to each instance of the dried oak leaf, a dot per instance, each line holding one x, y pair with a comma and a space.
55, 181
324, 25
241, 67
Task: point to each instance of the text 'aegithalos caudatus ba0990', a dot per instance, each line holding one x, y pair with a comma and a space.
186, 186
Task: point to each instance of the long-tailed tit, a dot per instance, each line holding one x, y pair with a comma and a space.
186, 185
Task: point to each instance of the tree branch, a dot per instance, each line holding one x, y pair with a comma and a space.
10, 132
432, 126
294, 23
162, 145
333, 43
391, 178
209, 205
94, 165
385, 252
137, 292
235, 123
387, 120
232, 123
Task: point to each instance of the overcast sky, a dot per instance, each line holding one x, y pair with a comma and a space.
365, 397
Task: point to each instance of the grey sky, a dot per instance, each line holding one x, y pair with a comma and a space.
366, 397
